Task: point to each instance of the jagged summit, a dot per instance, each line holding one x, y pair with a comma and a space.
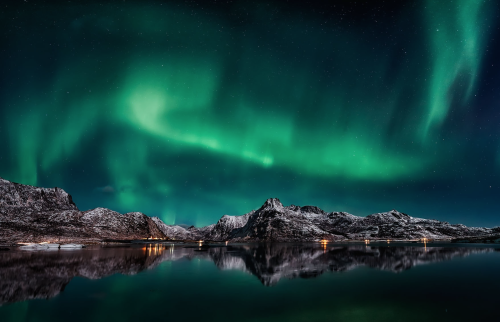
18, 197
389, 217
312, 209
272, 204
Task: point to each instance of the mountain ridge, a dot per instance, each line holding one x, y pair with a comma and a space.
277, 223
32, 214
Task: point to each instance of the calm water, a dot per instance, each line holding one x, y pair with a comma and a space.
278, 282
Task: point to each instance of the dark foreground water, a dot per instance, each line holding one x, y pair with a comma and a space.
277, 282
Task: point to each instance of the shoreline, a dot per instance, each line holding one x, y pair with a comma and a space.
491, 240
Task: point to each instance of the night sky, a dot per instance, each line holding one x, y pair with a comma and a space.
189, 110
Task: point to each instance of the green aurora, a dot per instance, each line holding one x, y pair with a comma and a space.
192, 111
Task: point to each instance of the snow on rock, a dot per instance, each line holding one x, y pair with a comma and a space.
16, 197
31, 214
275, 222
175, 232
223, 228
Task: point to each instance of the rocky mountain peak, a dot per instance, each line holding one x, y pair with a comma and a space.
272, 204
28, 198
33, 214
389, 217
312, 209
399, 215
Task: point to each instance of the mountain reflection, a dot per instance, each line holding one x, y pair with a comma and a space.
44, 274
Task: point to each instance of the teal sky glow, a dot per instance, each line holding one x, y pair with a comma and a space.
189, 111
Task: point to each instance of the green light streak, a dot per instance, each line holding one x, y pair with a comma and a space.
457, 46
331, 105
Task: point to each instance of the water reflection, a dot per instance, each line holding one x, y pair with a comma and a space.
44, 274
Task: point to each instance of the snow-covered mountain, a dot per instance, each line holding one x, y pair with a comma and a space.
275, 222
31, 214
176, 232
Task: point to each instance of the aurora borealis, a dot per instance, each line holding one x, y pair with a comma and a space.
192, 110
